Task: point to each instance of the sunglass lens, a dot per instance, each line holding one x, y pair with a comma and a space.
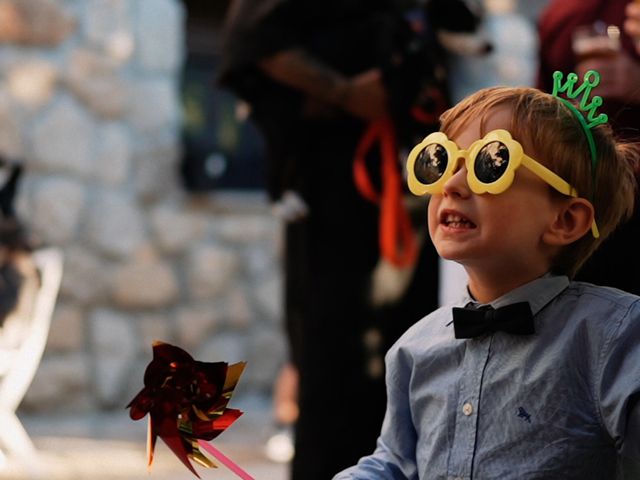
491, 162
431, 163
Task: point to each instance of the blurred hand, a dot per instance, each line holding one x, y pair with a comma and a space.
365, 96
285, 395
619, 76
632, 23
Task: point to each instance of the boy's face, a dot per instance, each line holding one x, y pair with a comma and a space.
493, 234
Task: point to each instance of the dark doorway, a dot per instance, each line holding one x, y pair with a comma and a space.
221, 148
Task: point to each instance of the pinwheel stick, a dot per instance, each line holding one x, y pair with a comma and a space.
226, 461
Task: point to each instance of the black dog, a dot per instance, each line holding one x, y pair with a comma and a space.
15, 260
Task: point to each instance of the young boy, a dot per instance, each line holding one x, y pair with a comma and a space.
538, 377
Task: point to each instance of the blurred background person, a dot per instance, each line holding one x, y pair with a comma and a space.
317, 77
510, 28
579, 35
632, 22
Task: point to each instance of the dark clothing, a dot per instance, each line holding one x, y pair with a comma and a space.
350, 36
10, 282
331, 254
616, 263
17, 266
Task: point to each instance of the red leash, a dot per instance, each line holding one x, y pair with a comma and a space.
397, 239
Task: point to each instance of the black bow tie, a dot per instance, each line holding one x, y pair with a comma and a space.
473, 322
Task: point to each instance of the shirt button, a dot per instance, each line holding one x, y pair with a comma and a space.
467, 409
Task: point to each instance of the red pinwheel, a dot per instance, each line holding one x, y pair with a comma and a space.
187, 405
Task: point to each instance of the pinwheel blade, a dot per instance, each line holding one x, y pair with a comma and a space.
187, 404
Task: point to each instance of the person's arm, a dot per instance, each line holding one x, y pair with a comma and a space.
395, 454
632, 23
363, 95
619, 391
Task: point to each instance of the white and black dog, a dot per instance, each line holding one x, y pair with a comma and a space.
15, 252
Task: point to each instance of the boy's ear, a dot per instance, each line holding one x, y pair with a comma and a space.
573, 220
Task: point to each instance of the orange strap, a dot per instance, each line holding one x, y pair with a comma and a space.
397, 240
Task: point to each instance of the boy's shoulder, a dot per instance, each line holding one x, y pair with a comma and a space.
601, 310
436, 327
599, 296
591, 299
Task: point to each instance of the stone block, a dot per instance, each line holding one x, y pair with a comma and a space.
34, 22
134, 381
154, 105
115, 348
116, 224
194, 324
97, 83
239, 313
269, 298
267, 353
113, 163
108, 25
62, 382
58, 205
11, 133
85, 276
211, 270
67, 332
32, 82
155, 327
63, 139
245, 229
259, 260
176, 229
227, 347
144, 284
159, 39
155, 170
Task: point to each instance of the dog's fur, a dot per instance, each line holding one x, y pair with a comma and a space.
17, 272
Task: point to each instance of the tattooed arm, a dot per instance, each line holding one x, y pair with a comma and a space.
363, 95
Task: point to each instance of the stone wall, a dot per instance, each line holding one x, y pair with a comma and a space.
89, 102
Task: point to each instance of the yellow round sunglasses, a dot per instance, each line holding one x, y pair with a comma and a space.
491, 165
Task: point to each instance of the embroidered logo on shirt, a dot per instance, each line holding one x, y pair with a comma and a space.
523, 414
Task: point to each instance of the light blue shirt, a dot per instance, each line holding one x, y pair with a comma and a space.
563, 403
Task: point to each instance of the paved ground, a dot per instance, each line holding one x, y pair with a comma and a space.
112, 447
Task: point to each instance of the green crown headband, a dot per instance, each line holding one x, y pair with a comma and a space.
590, 80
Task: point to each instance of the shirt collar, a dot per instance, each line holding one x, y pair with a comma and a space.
538, 292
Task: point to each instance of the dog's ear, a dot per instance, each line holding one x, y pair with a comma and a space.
8, 189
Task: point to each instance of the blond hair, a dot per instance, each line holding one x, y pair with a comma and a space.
552, 134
